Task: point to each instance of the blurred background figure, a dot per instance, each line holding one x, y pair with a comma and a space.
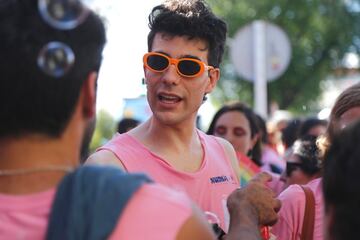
237, 123
127, 124
270, 159
303, 172
290, 132
302, 161
312, 126
345, 111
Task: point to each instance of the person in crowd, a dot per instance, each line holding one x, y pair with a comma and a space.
303, 170
47, 108
185, 47
270, 159
303, 162
345, 111
43, 193
272, 162
341, 186
126, 124
236, 123
290, 133
312, 126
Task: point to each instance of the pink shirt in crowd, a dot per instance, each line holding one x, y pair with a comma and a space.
291, 214
26, 216
208, 187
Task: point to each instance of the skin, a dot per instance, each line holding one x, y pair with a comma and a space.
65, 151
188, 92
234, 127
171, 131
250, 207
317, 130
297, 176
349, 117
174, 101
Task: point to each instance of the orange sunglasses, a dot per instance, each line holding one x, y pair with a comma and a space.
186, 67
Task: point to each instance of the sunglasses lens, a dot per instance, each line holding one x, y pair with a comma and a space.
157, 62
189, 67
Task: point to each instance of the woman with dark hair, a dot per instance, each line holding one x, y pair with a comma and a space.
237, 123
303, 162
303, 170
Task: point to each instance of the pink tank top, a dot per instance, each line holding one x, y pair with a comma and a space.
26, 216
209, 187
292, 211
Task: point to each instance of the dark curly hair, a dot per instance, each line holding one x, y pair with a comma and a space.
307, 150
30, 100
191, 18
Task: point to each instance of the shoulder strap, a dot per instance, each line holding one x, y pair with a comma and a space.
309, 216
89, 202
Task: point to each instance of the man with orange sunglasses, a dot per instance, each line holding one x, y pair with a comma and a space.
186, 44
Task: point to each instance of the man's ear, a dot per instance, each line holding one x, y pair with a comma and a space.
89, 95
214, 76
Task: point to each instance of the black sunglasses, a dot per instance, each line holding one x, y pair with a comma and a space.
292, 166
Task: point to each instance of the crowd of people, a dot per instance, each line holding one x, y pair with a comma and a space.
163, 178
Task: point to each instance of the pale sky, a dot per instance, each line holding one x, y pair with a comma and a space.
121, 72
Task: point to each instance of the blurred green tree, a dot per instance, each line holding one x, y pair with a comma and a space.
104, 130
320, 32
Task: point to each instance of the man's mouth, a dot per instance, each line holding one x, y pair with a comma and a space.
169, 98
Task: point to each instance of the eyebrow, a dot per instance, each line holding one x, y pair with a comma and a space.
182, 56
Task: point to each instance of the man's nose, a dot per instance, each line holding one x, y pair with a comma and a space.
171, 76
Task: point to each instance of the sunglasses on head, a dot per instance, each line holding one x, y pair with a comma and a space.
186, 67
292, 166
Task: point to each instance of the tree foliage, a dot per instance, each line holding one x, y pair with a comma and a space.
320, 32
104, 130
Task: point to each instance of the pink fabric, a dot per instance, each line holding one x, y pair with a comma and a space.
25, 216
271, 157
155, 213
291, 214
148, 215
209, 187
276, 184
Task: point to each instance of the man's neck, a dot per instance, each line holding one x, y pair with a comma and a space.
172, 136
20, 157
179, 146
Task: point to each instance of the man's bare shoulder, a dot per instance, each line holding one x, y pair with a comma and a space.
104, 157
230, 152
